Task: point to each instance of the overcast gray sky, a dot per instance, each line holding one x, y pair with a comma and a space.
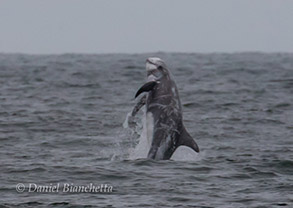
135, 26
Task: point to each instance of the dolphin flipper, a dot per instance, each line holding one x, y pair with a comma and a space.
186, 140
146, 87
138, 106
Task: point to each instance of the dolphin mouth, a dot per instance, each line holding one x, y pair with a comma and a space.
150, 62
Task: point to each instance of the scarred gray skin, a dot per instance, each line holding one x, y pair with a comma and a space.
163, 103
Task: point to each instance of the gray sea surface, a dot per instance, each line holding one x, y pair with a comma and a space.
61, 120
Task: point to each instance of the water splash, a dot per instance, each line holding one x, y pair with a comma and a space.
139, 131
184, 153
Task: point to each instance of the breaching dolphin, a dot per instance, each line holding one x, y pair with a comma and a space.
163, 112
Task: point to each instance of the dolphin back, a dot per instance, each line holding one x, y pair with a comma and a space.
165, 150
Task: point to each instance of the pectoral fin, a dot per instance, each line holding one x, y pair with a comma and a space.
146, 88
138, 106
186, 140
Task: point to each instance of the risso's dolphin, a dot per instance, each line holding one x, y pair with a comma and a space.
163, 112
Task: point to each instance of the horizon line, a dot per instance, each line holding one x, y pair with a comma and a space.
141, 53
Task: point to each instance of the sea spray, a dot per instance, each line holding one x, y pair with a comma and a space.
139, 131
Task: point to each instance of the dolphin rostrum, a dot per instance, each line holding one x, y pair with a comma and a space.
163, 112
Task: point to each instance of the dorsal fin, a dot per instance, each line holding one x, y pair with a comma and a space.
186, 140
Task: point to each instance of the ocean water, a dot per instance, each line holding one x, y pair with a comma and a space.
61, 125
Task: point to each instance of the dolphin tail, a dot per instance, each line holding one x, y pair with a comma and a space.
186, 140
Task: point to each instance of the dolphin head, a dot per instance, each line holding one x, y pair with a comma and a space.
156, 69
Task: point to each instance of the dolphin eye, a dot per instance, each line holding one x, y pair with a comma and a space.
160, 67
